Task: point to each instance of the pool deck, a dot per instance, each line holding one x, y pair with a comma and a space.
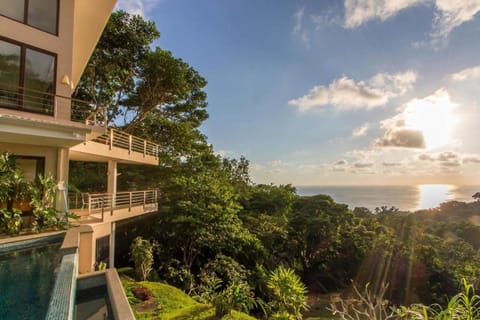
33, 236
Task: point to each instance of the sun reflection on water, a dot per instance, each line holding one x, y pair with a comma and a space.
431, 195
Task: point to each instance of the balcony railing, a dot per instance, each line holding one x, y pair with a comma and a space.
48, 103
119, 139
108, 203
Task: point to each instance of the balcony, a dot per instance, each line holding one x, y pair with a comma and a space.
39, 117
105, 207
116, 145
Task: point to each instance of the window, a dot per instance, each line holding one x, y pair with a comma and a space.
32, 167
102, 251
27, 78
41, 14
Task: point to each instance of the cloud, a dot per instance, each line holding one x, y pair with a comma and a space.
341, 162
358, 12
361, 131
426, 157
451, 14
346, 94
402, 138
391, 164
298, 27
448, 14
140, 7
362, 165
467, 74
475, 160
422, 123
447, 156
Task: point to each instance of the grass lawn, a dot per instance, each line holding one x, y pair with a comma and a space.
170, 303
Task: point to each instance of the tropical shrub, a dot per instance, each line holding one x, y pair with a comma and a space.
235, 297
289, 293
141, 252
11, 220
42, 194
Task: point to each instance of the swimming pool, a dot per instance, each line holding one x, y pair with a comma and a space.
27, 277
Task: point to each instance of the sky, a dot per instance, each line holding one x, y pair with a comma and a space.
341, 92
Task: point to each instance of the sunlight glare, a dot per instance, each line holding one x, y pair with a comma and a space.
434, 116
431, 195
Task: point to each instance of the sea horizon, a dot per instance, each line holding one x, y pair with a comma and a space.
404, 197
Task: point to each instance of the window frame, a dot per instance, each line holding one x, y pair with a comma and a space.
21, 78
25, 18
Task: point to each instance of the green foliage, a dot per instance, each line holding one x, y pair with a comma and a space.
288, 291
142, 255
235, 297
42, 195
12, 188
463, 306
11, 220
224, 268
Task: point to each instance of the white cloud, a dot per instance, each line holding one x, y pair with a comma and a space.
448, 14
346, 94
298, 28
451, 14
358, 12
467, 74
361, 131
140, 7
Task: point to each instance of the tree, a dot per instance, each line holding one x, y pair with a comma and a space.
476, 196
141, 251
132, 80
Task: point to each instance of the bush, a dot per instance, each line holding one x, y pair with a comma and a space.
235, 297
289, 293
42, 195
11, 220
141, 293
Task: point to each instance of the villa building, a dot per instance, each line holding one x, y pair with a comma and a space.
45, 46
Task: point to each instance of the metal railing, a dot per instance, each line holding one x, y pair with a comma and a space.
119, 139
48, 103
101, 203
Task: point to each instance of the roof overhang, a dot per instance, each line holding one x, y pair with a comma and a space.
16, 129
90, 18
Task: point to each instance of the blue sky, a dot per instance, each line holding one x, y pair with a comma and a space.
344, 92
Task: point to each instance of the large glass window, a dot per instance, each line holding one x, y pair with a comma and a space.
10, 57
27, 78
39, 79
41, 14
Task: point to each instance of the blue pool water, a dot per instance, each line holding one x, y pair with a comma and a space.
26, 282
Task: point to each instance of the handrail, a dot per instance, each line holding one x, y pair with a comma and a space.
109, 202
36, 101
120, 139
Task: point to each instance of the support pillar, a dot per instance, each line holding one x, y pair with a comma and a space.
112, 182
62, 179
111, 261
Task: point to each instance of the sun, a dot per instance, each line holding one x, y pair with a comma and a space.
434, 116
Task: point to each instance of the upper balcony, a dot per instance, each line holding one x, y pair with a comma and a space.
41, 117
116, 145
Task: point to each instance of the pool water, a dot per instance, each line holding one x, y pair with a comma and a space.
27, 278
93, 304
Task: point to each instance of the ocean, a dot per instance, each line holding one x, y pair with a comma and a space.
407, 198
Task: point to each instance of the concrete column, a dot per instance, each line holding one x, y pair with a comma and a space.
112, 182
111, 262
62, 179
112, 176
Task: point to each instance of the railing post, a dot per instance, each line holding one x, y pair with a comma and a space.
89, 204
129, 143
144, 198
144, 148
111, 138
129, 201
112, 204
